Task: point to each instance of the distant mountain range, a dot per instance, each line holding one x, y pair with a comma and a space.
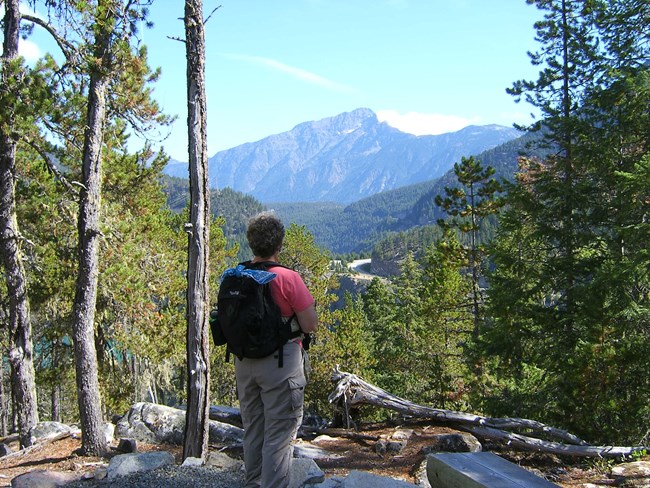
358, 226
342, 159
361, 225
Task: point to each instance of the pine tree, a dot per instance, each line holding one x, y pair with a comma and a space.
14, 93
448, 324
107, 64
564, 294
467, 206
300, 252
353, 339
394, 313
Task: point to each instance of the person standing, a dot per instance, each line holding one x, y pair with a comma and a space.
271, 397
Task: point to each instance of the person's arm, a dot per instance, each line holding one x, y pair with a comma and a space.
308, 319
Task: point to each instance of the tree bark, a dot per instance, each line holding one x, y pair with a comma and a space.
88, 397
56, 403
4, 415
23, 383
351, 390
198, 379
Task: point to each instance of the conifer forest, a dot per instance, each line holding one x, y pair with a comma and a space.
527, 297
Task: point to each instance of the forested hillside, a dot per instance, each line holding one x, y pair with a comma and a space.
359, 226
418, 229
340, 229
503, 158
355, 227
233, 209
528, 300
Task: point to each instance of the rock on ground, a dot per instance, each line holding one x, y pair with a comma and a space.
42, 478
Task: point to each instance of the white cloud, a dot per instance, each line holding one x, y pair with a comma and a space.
297, 73
509, 118
26, 48
29, 50
26, 8
421, 124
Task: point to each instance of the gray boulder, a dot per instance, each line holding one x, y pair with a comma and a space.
49, 430
304, 449
632, 475
305, 471
127, 446
222, 461
395, 443
153, 423
125, 464
42, 478
454, 443
192, 462
148, 422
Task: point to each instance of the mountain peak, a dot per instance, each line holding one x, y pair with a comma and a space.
343, 159
344, 122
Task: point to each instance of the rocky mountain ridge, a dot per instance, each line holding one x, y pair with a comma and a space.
342, 159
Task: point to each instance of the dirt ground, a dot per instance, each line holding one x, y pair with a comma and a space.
355, 450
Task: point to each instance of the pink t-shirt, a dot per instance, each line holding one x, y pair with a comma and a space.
289, 291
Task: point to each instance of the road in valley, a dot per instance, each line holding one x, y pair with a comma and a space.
360, 267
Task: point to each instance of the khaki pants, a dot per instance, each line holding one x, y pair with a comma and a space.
271, 401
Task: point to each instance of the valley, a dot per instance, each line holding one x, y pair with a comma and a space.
345, 208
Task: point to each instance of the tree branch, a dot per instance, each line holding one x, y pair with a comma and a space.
211, 14
52, 168
66, 47
352, 390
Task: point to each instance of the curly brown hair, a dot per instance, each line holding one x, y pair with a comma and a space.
265, 235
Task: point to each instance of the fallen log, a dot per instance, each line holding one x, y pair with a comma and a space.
351, 390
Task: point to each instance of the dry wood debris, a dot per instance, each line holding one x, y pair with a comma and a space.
351, 390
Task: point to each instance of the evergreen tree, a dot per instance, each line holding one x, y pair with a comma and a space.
353, 339
16, 116
110, 54
45, 209
564, 294
447, 313
467, 206
81, 85
395, 315
300, 252
378, 305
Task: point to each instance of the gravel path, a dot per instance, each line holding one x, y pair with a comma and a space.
171, 477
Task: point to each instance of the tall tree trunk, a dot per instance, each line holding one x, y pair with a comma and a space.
474, 263
55, 394
3, 403
56, 403
198, 379
569, 230
88, 397
20, 330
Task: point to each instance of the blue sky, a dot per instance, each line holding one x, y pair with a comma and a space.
424, 66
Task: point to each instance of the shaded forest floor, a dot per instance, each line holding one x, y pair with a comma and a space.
353, 450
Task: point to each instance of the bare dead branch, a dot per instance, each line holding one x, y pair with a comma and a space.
352, 390
211, 14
